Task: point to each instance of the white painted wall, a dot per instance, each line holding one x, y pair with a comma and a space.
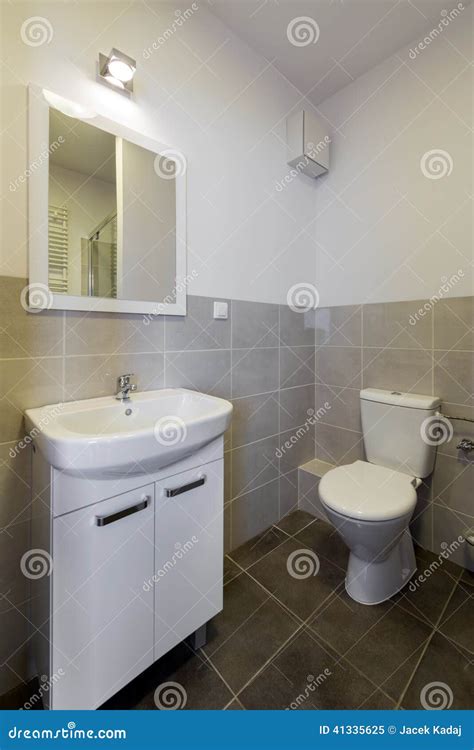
375, 229
384, 230
204, 92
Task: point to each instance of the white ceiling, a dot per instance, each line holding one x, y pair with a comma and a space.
354, 35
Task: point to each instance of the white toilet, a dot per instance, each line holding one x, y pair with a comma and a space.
371, 502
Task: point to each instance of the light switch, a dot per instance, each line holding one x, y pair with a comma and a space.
221, 310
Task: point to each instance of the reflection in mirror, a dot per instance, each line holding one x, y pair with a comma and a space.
111, 215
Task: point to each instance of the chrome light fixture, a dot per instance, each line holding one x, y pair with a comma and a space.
116, 71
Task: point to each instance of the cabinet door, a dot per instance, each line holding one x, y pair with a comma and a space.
102, 607
188, 553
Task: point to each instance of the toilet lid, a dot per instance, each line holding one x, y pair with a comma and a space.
368, 492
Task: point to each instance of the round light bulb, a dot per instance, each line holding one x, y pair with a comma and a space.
114, 81
120, 70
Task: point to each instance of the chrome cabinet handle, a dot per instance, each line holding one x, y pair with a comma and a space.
105, 520
185, 487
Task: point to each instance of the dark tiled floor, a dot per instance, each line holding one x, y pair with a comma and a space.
287, 638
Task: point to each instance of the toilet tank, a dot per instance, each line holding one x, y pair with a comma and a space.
396, 434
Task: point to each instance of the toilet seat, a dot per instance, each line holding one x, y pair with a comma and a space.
368, 492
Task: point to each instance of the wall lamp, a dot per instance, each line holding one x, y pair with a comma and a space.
116, 71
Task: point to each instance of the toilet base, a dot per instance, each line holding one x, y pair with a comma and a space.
375, 582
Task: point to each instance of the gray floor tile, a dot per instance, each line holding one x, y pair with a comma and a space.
297, 577
242, 641
200, 687
458, 620
451, 668
429, 589
295, 522
253, 550
389, 646
306, 675
321, 537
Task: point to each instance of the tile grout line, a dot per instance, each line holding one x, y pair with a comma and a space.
303, 627
428, 641
306, 625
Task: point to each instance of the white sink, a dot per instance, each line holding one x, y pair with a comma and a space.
105, 437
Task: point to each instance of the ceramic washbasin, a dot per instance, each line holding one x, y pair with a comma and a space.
106, 437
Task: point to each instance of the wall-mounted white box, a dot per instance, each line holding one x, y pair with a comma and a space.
308, 144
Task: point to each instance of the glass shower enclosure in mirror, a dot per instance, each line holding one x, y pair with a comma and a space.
107, 214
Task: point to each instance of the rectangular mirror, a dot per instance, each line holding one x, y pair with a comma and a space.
107, 214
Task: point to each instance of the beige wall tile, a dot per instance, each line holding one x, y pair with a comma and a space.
454, 323
296, 447
339, 326
254, 417
454, 377
254, 512
25, 334
338, 446
91, 377
460, 428
344, 406
453, 483
254, 465
106, 333
296, 366
14, 585
15, 484
26, 383
288, 493
448, 525
308, 494
340, 366
398, 369
394, 324
296, 406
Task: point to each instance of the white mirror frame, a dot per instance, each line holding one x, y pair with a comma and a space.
38, 183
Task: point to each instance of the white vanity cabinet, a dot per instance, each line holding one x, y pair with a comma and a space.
102, 617
133, 572
188, 553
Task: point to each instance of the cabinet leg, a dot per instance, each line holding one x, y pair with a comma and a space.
198, 639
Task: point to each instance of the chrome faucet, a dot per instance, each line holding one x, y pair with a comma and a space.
125, 387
